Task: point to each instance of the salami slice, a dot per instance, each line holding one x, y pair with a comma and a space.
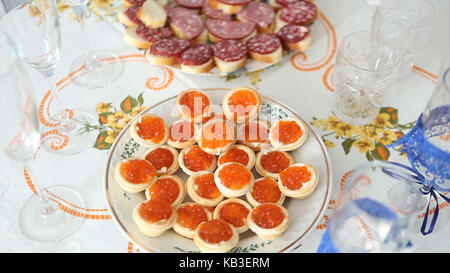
187, 21
136, 2
230, 50
131, 13
154, 34
175, 12
234, 2
258, 12
192, 4
230, 30
285, 3
215, 13
171, 47
301, 12
265, 43
196, 55
293, 33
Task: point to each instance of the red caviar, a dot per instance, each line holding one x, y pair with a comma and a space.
138, 171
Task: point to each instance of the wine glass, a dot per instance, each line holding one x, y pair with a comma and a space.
428, 150
98, 67
41, 217
374, 211
33, 30
408, 24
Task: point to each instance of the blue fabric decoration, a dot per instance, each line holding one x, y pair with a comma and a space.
366, 205
430, 164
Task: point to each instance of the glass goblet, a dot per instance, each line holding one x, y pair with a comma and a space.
99, 68
34, 32
374, 211
41, 217
408, 24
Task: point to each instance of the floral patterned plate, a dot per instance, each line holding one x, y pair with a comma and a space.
305, 214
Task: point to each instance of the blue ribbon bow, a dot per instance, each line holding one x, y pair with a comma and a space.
425, 156
418, 178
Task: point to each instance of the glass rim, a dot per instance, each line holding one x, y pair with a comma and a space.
433, 10
397, 62
446, 78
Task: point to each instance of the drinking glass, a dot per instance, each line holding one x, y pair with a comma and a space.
364, 74
406, 23
428, 150
99, 68
40, 217
374, 211
33, 30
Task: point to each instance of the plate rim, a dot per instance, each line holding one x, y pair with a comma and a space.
319, 216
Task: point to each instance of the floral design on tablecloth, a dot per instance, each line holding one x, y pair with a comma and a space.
254, 77
370, 139
112, 120
103, 10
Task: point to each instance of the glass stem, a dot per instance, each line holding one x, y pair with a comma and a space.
92, 62
48, 206
426, 187
65, 121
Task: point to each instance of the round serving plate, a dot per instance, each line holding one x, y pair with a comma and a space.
305, 214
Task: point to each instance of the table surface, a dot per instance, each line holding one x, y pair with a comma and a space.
303, 80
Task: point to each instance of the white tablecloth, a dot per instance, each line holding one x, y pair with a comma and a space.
302, 81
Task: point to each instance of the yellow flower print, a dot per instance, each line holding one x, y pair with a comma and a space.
332, 123
382, 120
364, 145
137, 110
320, 123
103, 107
255, 77
34, 11
63, 7
122, 122
111, 136
329, 144
345, 129
366, 131
118, 120
385, 137
103, 3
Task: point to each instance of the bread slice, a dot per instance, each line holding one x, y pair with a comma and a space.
128, 4
273, 57
159, 60
198, 69
278, 22
162, 3
274, 4
260, 29
229, 9
214, 39
227, 67
131, 38
152, 14
200, 39
300, 45
125, 20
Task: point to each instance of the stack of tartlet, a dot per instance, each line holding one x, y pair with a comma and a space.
239, 170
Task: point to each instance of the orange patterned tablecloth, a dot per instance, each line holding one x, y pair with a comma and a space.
303, 80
